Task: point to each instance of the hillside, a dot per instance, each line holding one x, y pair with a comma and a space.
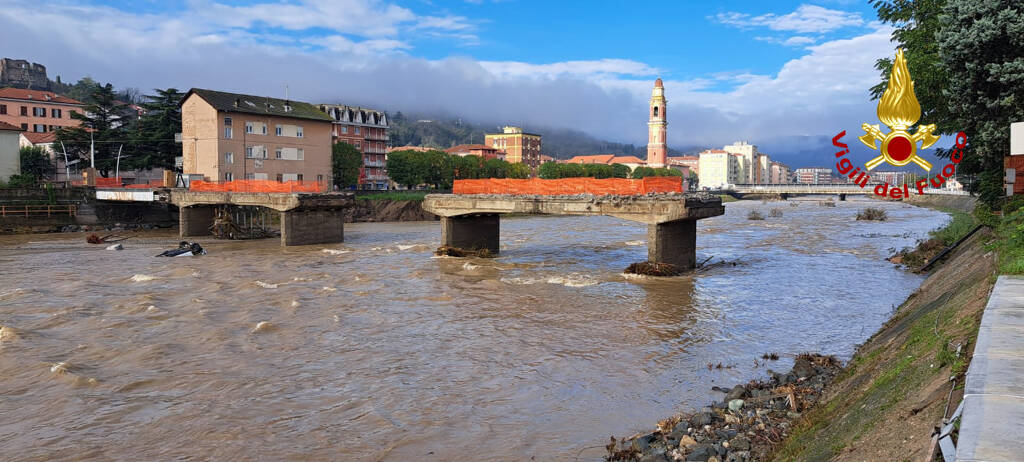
445, 132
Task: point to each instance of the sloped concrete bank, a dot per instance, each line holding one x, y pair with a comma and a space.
882, 405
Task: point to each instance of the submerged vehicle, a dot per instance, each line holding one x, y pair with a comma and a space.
185, 249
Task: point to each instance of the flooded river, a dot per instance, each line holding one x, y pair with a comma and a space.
375, 350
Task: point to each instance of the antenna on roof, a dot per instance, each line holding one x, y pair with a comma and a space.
286, 92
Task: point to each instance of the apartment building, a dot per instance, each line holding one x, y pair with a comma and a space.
231, 136
519, 146
367, 130
814, 175
36, 110
720, 169
780, 173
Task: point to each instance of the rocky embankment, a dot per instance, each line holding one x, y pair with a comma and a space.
744, 426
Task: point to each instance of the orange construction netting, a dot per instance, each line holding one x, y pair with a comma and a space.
265, 186
570, 186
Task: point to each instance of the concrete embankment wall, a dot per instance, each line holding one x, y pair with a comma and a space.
961, 203
895, 390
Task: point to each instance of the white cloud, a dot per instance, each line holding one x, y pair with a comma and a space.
601, 67
822, 92
806, 19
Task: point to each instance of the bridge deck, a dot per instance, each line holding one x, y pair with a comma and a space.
651, 209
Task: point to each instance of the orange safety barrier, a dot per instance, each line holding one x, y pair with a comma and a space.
570, 186
265, 186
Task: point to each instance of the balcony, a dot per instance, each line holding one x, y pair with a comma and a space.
370, 150
370, 137
374, 163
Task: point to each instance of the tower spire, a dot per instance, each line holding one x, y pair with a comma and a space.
657, 149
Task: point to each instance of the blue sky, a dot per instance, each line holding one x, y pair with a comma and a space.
774, 73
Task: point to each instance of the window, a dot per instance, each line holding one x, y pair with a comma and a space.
357, 130
228, 176
277, 130
227, 121
344, 129
39, 128
299, 154
298, 131
248, 127
277, 153
300, 177
3, 109
248, 152
280, 177
227, 132
229, 157
319, 178
359, 145
24, 111
39, 112
24, 127
250, 176
56, 113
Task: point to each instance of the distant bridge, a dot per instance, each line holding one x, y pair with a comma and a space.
840, 189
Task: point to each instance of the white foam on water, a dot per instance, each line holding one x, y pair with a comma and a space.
635, 242
336, 318
520, 281
572, 280
335, 251
59, 368
404, 247
266, 285
328, 289
295, 303
469, 266
142, 278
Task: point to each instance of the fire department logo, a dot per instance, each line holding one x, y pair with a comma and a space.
899, 110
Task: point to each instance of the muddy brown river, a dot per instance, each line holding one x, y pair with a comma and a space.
376, 350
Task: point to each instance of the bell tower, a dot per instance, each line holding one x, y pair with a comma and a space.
657, 150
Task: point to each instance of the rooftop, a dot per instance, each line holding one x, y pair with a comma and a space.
263, 105
36, 95
469, 147
37, 138
7, 126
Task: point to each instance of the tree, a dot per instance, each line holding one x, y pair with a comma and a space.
981, 44
35, 162
644, 172
405, 168
154, 145
518, 171
346, 161
620, 171
102, 124
694, 180
916, 24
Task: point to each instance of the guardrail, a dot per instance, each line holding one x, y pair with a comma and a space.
37, 210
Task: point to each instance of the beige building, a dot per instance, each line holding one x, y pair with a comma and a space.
10, 157
230, 136
780, 173
719, 169
519, 146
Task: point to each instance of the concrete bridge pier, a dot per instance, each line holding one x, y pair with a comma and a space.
195, 220
308, 227
472, 232
673, 242
842, 197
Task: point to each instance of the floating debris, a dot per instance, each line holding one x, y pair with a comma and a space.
648, 268
449, 251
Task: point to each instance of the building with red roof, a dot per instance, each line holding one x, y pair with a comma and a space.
481, 150
37, 110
